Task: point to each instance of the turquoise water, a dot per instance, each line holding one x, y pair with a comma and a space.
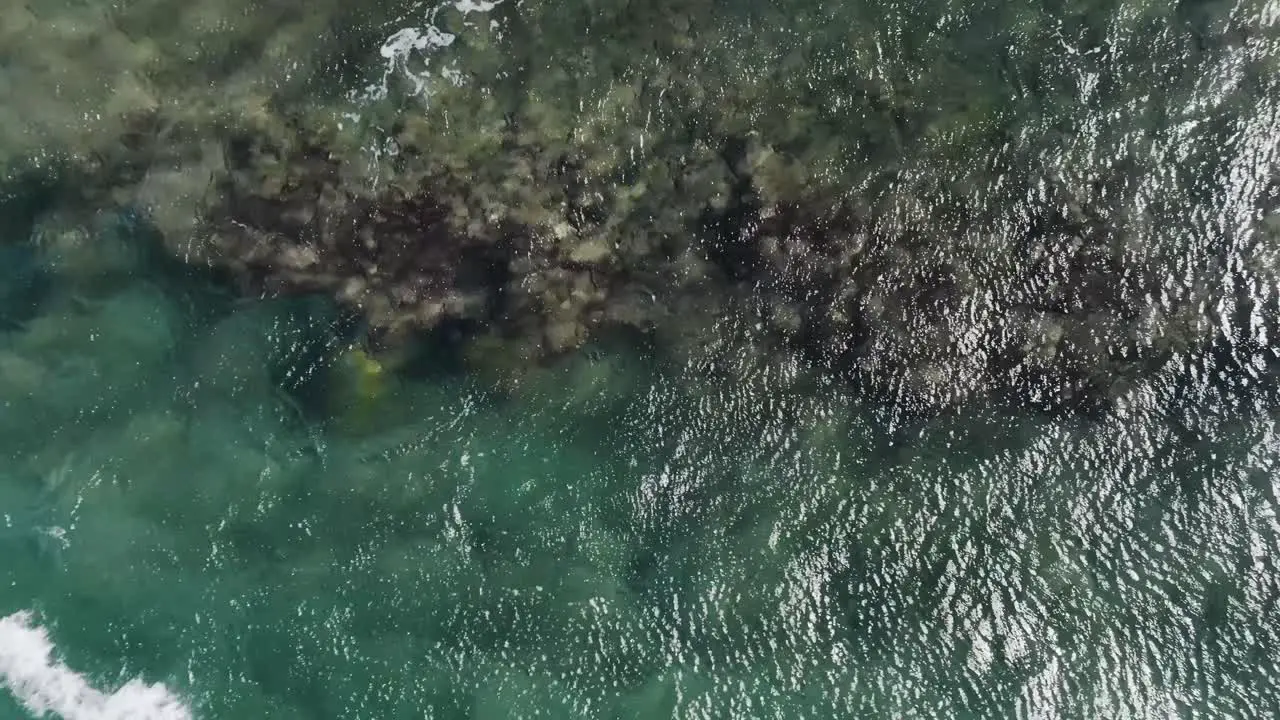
211, 507
616, 538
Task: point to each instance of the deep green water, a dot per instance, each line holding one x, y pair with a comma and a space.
617, 539
199, 491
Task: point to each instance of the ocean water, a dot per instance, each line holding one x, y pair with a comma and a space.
200, 520
211, 507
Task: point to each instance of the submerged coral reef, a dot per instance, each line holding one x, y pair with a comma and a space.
920, 206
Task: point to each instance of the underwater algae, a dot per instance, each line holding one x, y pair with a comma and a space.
925, 208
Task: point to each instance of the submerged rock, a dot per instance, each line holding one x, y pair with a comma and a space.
810, 185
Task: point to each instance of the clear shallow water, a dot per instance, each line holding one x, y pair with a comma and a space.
617, 539
201, 491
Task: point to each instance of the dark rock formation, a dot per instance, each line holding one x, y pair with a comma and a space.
919, 213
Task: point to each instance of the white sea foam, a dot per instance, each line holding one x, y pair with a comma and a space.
408, 51
46, 687
466, 7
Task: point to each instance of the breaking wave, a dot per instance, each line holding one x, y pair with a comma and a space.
46, 687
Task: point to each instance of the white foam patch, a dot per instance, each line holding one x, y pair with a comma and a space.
46, 687
408, 51
466, 7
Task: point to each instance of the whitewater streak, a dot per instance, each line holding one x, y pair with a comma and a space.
44, 685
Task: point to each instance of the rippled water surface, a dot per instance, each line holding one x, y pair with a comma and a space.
212, 505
